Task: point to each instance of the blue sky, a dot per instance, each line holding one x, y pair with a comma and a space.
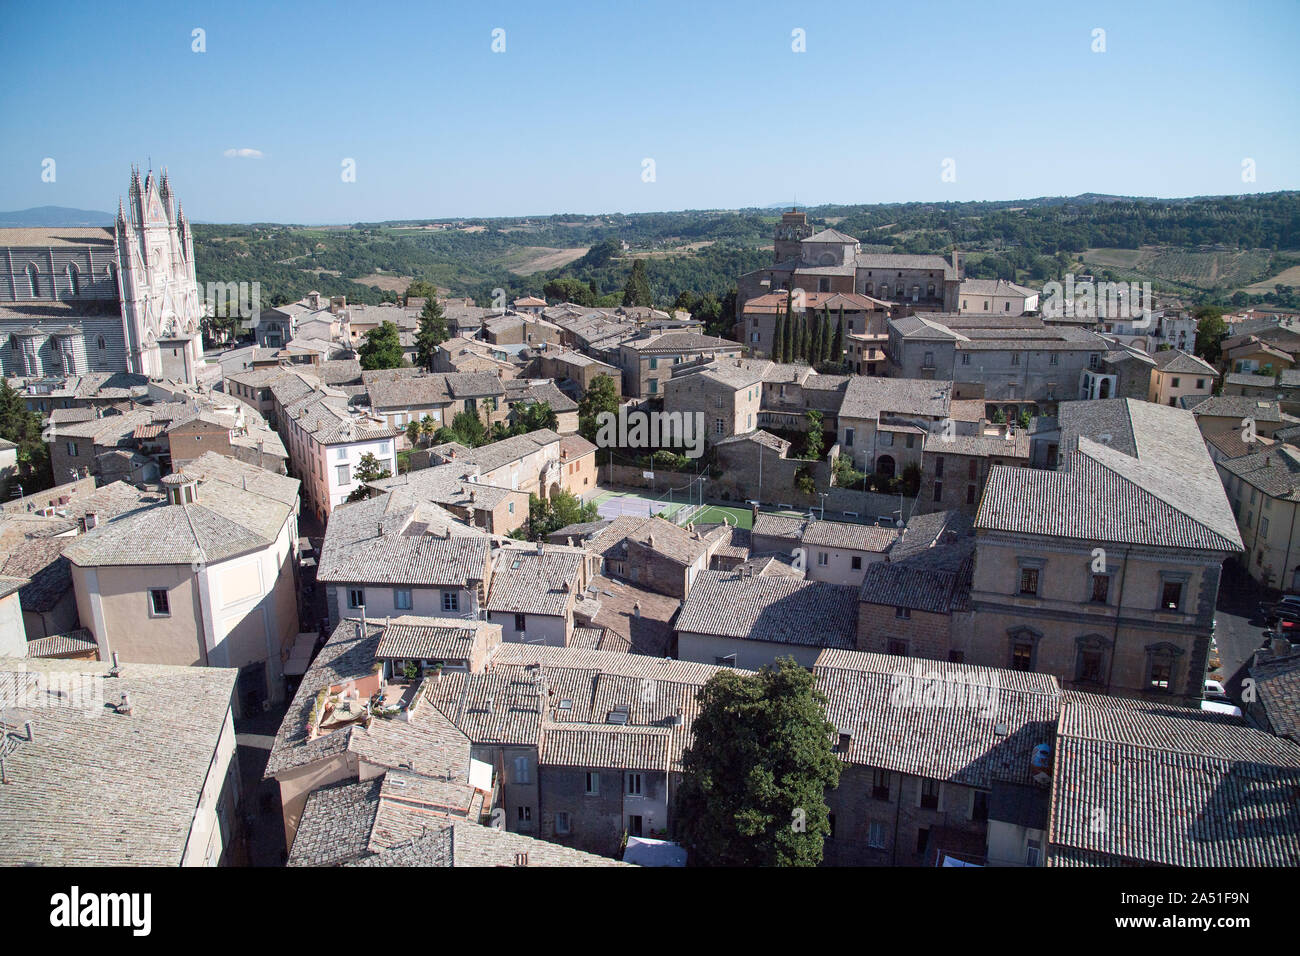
439, 125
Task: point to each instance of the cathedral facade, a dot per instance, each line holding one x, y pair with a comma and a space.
78, 300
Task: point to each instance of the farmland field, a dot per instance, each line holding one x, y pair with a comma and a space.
1204, 269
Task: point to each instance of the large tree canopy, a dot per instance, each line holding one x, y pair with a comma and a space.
755, 776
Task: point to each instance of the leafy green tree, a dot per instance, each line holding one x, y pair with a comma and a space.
815, 441
413, 431
382, 348
561, 510
368, 469
637, 290
23, 428
1210, 329
469, 429
534, 416
569, 289
755, 777
432, 333
601, 396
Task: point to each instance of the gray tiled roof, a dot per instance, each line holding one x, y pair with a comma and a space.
869, 398
526, 582
1171, 786
778, 609
1277, 683
1234, 406
78, 641
1152, 482
893, 710
1275, 471
239, 508
850, 536
1177, 362
467, 844
415, 638
396, 539
99, 788
607, 746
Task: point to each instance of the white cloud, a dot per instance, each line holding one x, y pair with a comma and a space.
244, 153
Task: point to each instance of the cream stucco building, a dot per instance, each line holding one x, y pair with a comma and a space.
206, 578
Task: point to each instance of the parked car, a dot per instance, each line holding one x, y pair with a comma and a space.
1214, 691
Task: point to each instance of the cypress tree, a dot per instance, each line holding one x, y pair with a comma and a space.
815, 353
778, 333
787, 337
803, 337
837, 344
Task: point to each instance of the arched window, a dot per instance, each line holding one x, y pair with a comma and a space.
13, 343
869, 288
101, 343
885, 466
74, 279
33, 280
884, 289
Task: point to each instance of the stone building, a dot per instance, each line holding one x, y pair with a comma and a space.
831, 261
125, 298
1105, 573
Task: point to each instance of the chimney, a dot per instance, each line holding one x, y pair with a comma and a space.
116, 669
636, 609
539, 547
124, 707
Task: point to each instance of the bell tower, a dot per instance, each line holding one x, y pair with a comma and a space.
792, 228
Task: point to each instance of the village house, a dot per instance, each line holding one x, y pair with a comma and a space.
565, 364
914, 602
1179, 374
1263, 489
327, 438
738, 619
925, 747
357, 719
144, 751
954, 468
996, 296
207, 577
1144, 772
400, 554
647, 361
883, 422
535, 590
1105, 573
724, 394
